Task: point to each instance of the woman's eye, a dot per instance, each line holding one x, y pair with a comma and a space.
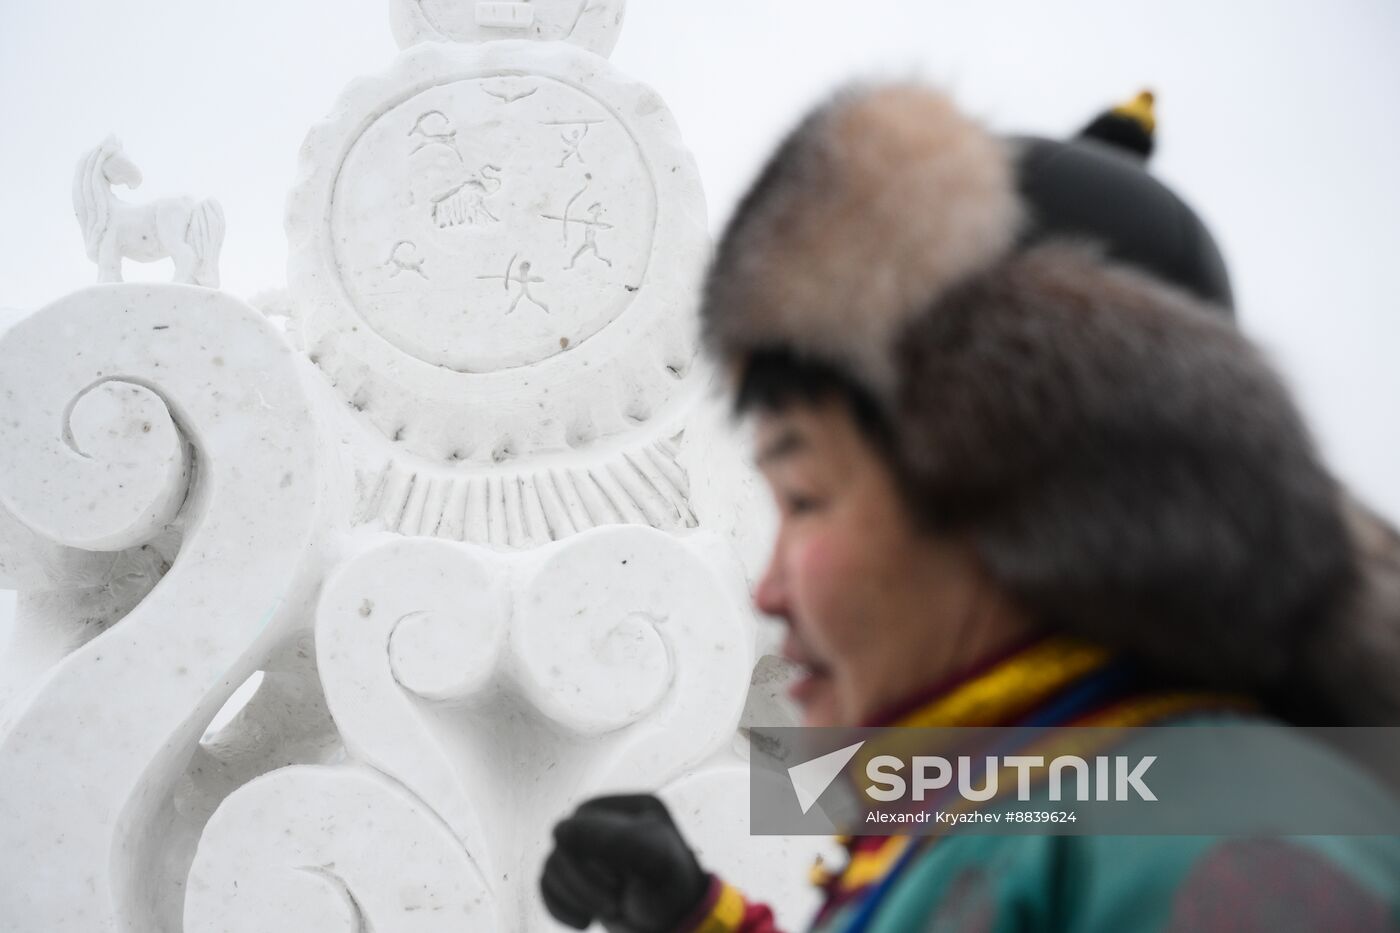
798, 503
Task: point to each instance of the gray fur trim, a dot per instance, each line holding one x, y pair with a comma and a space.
876, 204
1350, 669
1127, 465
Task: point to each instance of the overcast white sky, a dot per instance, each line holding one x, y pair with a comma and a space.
1278, 121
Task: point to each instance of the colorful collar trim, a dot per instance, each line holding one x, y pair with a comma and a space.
1050, 681
998, 691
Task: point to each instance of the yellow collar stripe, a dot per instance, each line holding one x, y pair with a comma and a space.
1018, 683
727, 915
869, 867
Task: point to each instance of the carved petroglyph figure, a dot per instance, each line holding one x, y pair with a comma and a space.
524, 279
591, 225
434, 128
190, 232
572, 142
564, 218
465, 204
572, 138
404, 258
508, 97
590, 236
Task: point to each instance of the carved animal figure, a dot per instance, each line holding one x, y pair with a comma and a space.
190, 232
466, 203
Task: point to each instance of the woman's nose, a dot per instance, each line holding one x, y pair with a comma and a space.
770, 596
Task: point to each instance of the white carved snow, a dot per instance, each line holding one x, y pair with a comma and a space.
461, 502
190, 232
590, 24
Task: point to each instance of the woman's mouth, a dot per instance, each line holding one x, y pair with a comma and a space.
813, 676
810, 682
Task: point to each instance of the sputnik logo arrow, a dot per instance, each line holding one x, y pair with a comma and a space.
811, 778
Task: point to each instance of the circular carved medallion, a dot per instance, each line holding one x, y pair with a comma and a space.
496, 250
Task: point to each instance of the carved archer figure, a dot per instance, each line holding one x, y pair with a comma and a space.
590, 237
524, 279
190, 232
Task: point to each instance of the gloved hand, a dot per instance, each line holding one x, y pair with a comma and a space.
621, 861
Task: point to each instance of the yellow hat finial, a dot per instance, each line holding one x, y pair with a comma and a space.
1140, 110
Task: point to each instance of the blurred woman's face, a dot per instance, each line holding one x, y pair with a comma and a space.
875, 610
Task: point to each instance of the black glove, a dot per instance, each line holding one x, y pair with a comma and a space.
621, 861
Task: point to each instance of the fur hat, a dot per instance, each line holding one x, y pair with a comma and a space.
1127, 465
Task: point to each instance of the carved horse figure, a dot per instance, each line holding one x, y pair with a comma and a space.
189, 232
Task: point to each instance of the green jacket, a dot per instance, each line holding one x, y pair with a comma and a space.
1146, 884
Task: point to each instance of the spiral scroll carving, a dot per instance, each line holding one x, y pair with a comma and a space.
404, 622
128, 407
291, 845
500, 687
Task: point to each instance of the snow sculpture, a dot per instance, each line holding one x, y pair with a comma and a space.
589, 24
495, 250
157, 427
190, 232
469, 523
